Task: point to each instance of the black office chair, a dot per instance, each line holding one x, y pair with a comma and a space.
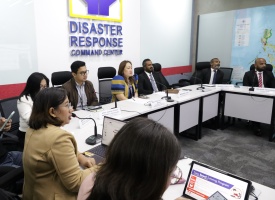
198, 68
227, 71
138, 70
6, 107
61, 77
268, 67
105, 76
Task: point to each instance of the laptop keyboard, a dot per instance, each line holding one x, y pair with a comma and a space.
99, 150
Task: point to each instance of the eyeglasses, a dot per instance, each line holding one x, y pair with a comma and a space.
84, 73
176, 176
69, 106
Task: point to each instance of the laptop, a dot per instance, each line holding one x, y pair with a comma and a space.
110, 128
206, 182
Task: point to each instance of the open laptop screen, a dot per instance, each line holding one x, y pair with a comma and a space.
204, 181
110, 129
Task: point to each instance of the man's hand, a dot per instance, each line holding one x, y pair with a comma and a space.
8, 125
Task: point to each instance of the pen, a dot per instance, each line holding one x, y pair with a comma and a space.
133, 98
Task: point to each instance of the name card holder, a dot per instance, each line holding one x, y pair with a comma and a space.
182, 93
83, 122
225, 86
157, 103
109, 113
264, 90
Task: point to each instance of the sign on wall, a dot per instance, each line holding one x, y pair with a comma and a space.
88, 36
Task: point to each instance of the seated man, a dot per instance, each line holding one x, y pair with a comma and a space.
258, 78
211, 75
149, 81
80, 91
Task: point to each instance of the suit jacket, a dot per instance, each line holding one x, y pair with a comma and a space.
51, 168
144, 83
70, 87
205, 75
251, 79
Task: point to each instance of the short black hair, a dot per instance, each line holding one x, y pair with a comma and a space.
76, 65
144, 62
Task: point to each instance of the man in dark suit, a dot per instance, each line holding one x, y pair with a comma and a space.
149, 81
259, 78
210, 75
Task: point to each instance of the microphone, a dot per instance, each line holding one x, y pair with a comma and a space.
93, 139
168, 98
195, 77
253, 80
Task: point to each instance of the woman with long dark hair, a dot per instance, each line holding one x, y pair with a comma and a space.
36, 82
124, 85
139, 164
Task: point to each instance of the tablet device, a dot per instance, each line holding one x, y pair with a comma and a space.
207, 182
8, 119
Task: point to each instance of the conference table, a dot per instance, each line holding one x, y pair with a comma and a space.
191, 109
175, 191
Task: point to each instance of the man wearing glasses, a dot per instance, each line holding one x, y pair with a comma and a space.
80, 91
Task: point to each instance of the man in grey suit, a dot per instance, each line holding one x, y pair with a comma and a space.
149, 81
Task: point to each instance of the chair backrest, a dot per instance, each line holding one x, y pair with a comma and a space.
227, 71
202, 65
105, 76
268, 67
138, 70
6, 107
157, 68
61, 77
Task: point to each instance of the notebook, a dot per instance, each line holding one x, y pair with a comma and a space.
110, 128
206, 182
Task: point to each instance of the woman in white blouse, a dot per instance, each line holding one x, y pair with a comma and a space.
36, 82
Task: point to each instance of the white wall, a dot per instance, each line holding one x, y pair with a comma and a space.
166, 31
40, 29
53, 53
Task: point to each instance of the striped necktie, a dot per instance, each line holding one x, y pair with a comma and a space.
260, 79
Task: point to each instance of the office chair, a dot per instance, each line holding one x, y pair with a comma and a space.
227, 71
198, 68
268, 67
61, 77
105, 76
163, 80
138, 70
6, 107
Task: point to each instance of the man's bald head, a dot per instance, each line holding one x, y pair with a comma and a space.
260, 64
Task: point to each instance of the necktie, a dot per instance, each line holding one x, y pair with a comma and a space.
260, 80
214, 78
154, 85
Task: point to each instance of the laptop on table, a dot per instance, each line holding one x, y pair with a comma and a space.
206, 182
110, 128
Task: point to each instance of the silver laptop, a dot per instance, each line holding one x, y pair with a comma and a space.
110, 128
206, 182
